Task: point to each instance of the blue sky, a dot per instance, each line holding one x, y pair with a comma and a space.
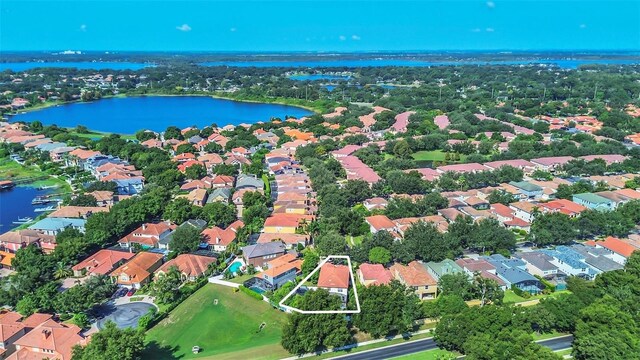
319, 25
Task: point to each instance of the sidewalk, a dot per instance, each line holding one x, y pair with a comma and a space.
364, 343
218, 280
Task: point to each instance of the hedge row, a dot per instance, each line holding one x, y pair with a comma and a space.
250, 292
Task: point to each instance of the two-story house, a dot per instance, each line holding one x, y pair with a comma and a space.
260, 254
335, 279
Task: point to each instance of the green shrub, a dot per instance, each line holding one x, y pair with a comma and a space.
250, 292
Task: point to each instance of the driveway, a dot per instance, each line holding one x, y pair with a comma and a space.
125, 315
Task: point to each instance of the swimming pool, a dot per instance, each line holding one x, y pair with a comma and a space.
257, 289
235, 266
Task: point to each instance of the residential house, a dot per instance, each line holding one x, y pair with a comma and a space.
618, 250
570, 262
281, 270
217, 239
513, 273
564, 206
101, 263
527, 190
376, 203
137, 272
219, 195
538, 263
441, 268
374, 274
49, 339
12, 241
248, 181
524, 210
282, 223
415, 276
77, 212
379, 223
148, 235
335, 279
597, 258
474, 267
54, 226
197, 197
551, 163
103, 198
190, 266
290, 240
594, 202
260, 254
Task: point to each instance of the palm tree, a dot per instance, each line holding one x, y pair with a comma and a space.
62, 271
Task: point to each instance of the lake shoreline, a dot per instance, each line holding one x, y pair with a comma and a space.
46, 105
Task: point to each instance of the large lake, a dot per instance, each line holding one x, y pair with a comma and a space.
130, 114
563, 63
98, 65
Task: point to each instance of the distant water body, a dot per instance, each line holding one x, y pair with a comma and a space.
562, 63
130, 114
87, 65
315, 77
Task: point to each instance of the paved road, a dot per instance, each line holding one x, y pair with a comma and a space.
415, 346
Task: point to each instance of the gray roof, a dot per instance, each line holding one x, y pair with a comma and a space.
50, 146
514, 275
224, 192
195, 139
538, 259
263, 249
248, 181
526, 186
596, 258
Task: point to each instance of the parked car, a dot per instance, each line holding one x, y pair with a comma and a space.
131, 292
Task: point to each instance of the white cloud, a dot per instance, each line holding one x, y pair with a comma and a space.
491, 4
489, 30
184, 27
583, 26
476, 30
355, 37
83, 27
233, 29
342, 38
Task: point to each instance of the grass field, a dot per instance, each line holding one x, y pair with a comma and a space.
224, 331
435, 155
511, 298
11, 170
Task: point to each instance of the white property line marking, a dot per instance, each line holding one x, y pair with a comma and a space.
353, 284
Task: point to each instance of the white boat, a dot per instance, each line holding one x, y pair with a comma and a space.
23, 220
44, 209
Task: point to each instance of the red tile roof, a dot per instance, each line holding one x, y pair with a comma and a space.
380, 222
376, 273
617, 246
334, 276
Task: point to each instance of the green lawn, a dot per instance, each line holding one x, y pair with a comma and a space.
224, 331
435, 155
11, 170
425, 355
511, 298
